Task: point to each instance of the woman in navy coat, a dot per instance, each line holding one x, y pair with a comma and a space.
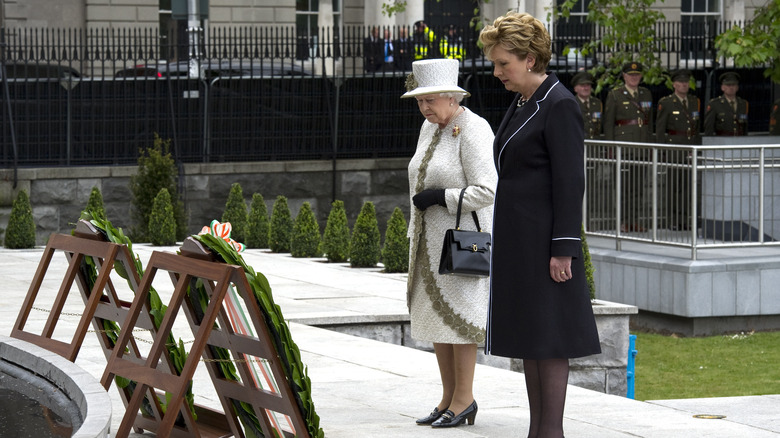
539, 308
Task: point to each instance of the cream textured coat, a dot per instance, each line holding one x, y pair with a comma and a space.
449, 308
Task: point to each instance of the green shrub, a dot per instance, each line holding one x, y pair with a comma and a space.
305, 240
364, 248
95, 204
280, 228
589, 269
395, 253
235, 213
162, 225
335, 239
257, 234
21, 227
156, 170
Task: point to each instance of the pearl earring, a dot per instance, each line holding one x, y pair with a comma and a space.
529, 70
450, 103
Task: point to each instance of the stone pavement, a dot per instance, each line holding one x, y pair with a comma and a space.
365, 388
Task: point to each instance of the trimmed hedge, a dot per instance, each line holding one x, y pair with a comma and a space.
20, 233
162, 225
335, 239
280, 228
257, 233
395, 253
235, 213
306, 234
364, 248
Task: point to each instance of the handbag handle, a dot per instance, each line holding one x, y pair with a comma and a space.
473, 213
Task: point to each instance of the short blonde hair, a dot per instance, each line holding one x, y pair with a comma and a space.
521, 35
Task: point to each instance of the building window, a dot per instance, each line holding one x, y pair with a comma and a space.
306, 14
698, 28
574, 31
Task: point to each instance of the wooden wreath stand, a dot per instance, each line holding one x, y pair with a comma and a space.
154, 375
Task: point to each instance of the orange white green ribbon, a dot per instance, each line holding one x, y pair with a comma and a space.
222, 230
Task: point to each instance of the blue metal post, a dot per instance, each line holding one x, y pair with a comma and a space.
631, 365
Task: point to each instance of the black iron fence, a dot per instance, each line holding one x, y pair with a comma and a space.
73, 97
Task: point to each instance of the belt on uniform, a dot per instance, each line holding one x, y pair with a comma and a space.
622, 122
673, 132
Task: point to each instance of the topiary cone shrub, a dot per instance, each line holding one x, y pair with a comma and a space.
235, 213
335, 239
589, 269
156, 170
257, 233
20, 233
395, 253
95, 205
306, 234
162, 225
280, 227
364, 248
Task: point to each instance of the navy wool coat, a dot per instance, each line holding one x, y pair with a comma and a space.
538, 153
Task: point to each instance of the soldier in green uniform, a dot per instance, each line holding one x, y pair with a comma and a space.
678, 123
590, 106
774, 119
628, 116
728, 114
600, 193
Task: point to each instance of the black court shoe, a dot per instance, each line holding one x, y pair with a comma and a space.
448, 419
433, 416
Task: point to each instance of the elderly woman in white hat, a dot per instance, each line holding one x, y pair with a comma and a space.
454, 151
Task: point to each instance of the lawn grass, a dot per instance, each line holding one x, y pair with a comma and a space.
669, 367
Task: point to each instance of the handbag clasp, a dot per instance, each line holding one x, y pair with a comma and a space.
474, 247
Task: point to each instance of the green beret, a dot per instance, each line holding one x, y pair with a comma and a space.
582, 77
682, 75
729, 78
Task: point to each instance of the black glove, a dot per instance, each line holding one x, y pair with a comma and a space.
429, 197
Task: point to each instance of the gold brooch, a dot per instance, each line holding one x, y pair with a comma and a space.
411, 82
455, 131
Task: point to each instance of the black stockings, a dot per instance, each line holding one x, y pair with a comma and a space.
546, 381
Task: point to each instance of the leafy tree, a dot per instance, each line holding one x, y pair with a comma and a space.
757, 44
162, 225
626, 32
335, 239
395, 254
364, 248
95, 204
20, 233
280, 229
306, 234
156, 170
257, 235
235, 213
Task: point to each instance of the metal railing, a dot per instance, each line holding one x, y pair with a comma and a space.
696, 197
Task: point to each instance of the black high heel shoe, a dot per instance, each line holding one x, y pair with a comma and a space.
433, 416
448, 419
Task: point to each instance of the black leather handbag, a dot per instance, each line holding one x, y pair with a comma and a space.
465, 252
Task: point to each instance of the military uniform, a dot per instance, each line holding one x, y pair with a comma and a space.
727, 118
723, 119
629, 117
678, 120
678, 123
774, 119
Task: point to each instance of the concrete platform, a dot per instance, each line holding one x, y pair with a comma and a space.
365, 388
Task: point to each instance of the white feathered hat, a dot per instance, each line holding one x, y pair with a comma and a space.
432, 76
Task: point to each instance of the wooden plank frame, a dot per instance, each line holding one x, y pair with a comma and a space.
184, 269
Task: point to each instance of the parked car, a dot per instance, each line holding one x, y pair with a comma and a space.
39, 71
218, 68
571, 62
